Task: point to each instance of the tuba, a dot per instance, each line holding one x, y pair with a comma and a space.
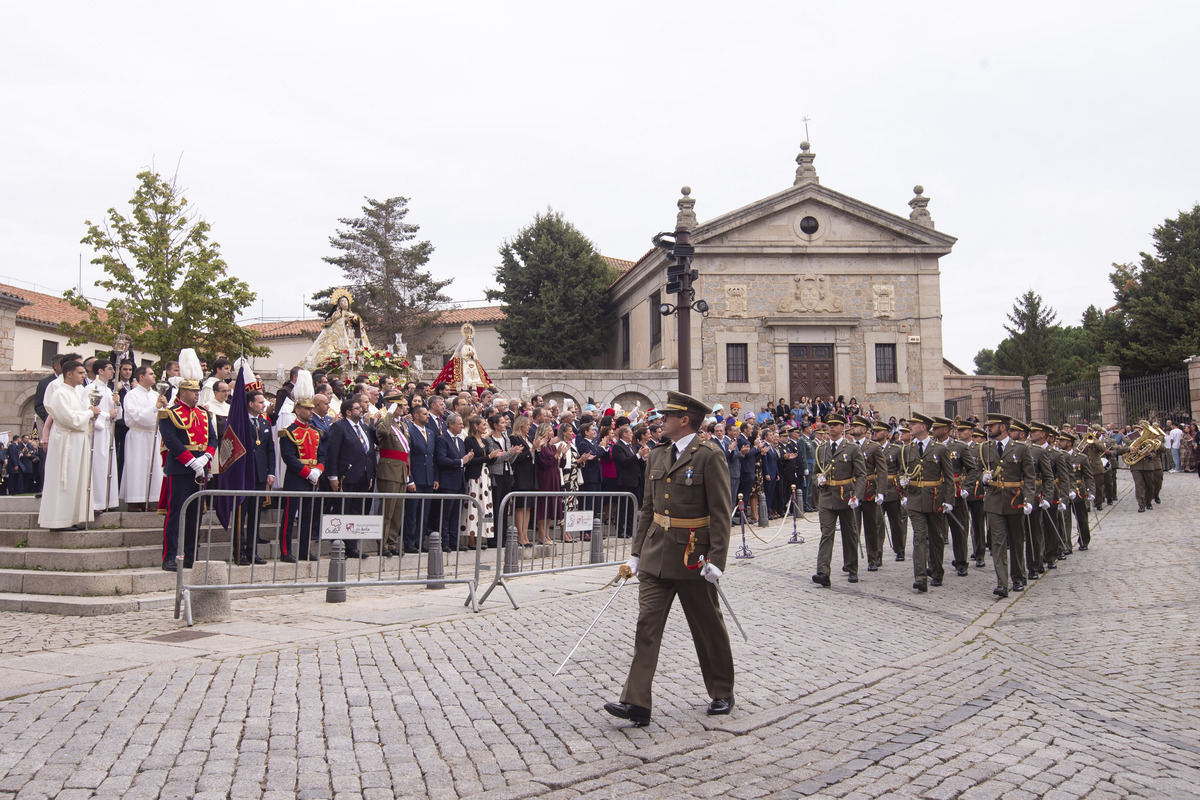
1147, 443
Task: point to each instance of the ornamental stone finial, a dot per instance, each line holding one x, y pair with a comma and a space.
920, 207
685, 220
805, 172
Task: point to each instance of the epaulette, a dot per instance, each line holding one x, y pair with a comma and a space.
287, 433
708, 443
173, 415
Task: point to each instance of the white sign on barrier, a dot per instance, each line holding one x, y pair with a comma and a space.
351, 526
579, 521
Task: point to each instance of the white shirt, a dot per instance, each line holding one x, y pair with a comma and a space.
682, 444
1175, 437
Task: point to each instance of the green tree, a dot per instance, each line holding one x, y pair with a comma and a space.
382, 263
554, 292
1153, 327
1036, 345
985, 361
169, 280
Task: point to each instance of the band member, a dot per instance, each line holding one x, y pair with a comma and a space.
842, 478
928, 481
302, 451
1080, 489
1008, 474
190, 439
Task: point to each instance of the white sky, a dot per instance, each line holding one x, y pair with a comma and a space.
1052, 137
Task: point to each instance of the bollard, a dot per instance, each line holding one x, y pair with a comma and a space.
337, 572
512, 552
597, 552
436, 569
763, 512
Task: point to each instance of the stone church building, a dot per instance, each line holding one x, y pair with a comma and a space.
810, 292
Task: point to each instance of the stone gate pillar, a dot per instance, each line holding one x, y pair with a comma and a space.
1038, 405
1110, 396
1193, 368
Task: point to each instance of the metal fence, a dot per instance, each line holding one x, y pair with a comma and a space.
1073, 403
548, 532
435, 568
956, 406
1155, 398
1014, 403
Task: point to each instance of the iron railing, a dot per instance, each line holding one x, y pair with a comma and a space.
1073, 403
1157, 398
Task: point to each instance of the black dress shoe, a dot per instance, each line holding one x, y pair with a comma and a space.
1157, 500
1066, 552
722, 705
1083, 547
821, 579
920, 586
1149, 507
289, 559
388, 553
1140, 509
1000, 591
1051, 565
872, 568
1018, 586
962, 572
935, 581
412, 550
312, 557
639, 716
899, 556
979, 562
929, 572
169, 566
261, 540
1034, 574
853, 577
259, 560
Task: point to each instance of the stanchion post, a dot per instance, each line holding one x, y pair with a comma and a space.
763, 510
744, 550
796, 538
337, 572
436, 570
512, 552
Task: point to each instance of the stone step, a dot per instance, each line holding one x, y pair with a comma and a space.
92, 559
86, 584
25, 502
157, 602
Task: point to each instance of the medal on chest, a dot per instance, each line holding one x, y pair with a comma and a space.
688, 480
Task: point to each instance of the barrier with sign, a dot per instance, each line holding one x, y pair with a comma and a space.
436, 570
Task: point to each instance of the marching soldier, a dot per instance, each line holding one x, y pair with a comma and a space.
302, 449
190, 438
684, 519
963, 464
928, 480
1008, 475
897, 516
1079, 490
1142, 472
1095, 451
1044, 546
980, 543
870, 511
842, 480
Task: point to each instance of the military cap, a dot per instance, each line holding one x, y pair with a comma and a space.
1069, 436
999, 419
393, 395
905, 429
835, 419
1019, 425
1043, 427
965, 426
980, 432
859, 419
678, 402
879, 426
942, 422
923, 418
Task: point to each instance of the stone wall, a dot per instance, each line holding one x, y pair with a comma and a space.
603, 385
16, 400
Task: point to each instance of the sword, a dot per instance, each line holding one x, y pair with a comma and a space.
624, 574
725, 600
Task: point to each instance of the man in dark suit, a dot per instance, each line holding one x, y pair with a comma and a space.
262, 452
452, 457
350, 460
629, 471
30, 459
437, 415
16, 483
422, 478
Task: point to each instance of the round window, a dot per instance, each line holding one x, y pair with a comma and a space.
809, 225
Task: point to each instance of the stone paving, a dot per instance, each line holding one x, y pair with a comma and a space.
1084, 685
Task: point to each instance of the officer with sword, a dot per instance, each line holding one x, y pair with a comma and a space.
679, 549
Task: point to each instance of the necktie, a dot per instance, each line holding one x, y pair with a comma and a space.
361, 439
921, 448
833, 449
674, 453
1000, 449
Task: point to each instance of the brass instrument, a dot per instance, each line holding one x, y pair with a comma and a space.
1090, 438
1148, 442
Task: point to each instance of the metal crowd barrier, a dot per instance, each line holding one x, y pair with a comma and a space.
584, 529
435, 570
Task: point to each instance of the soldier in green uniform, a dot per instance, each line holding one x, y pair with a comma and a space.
869, 512
1079, 490
686, 515
391, 474
897, 517
927, 477
842, 481
975, 438
962, 462
1008, 475
1141, 470
1045, 546
1095, 452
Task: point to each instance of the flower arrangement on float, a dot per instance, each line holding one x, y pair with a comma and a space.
347, 365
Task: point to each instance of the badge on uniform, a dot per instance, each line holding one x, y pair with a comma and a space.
688, 481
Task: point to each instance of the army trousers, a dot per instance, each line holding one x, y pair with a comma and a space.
393, 514
1036, 551
929, 544
701, 607
1008, 543
959, 529
1102, 495
1143, 486
897, 519
870, 522
830, 521
1080, 506
979, 538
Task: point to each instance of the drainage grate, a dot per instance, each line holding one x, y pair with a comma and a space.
180, 636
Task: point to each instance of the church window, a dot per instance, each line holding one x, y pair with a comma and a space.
737, 363
49, 351
885, 363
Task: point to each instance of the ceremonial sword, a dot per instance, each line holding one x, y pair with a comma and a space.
625, 573
725, 600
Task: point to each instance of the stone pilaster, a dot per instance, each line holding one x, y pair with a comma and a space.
1110, 396
1193, 368
9, 305
1038, 405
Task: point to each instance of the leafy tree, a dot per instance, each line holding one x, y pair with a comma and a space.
985, 361
391, 292
170, 280
554, 288
1153, 327
1036, 345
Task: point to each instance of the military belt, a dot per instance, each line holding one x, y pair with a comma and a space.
308, 462
846, 482
688, 523
1007, 484
926, 484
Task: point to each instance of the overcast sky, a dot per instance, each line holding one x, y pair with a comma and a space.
1052, 137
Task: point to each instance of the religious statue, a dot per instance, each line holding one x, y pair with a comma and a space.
343, 331
463, 371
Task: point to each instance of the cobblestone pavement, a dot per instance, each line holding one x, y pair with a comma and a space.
1084, 685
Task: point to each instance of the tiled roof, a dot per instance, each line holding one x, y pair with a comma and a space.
620, 264
45, 309
285, 328
481, 314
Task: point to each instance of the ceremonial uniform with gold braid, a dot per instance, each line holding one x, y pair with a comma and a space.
963, 464
870, 513
930, 484
187, 432
1009, 489
302, 449
897, 515
845, 474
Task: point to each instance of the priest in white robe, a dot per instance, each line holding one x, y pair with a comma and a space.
143, 463
65, 491
105, 486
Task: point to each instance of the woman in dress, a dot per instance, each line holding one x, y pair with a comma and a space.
549, 479
568, 463
524, 477
479, 484
500, 454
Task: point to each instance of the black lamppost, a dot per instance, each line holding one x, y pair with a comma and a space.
680, 277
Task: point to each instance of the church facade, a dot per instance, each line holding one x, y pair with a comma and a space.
810, 292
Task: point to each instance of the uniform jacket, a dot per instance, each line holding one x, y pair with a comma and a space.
263, 446
1061, 460
1081, 480
964, 464
1044, 478
974, 479
695, 486
345, 457
846, 468
1014, 467
302, 449
877, 468
391, 438
186, 432
934, 466
891, 457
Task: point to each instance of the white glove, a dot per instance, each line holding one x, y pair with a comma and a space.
903, 481
711, 572
852, 502
632, 563
1071, 495
197, 466
1091, 498
947, 508
200, 460
987, 477
820, 480
806, 473
903, 501
964, 494
1028, 509
878, 499
1045, 504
